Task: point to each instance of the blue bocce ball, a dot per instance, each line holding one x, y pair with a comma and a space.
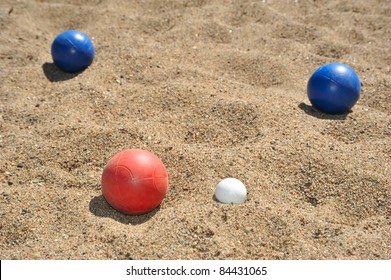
334, 88
72, 51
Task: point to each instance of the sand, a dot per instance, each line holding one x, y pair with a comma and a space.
215, 89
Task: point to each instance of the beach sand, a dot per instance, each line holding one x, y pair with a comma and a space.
215, 89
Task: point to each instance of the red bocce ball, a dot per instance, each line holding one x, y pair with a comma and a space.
134, 181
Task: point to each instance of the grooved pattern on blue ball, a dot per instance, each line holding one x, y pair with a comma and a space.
72, 51
341, 74
333, 88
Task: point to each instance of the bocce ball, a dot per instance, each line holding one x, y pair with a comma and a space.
72, 51
334, 88
134, 181
231, 190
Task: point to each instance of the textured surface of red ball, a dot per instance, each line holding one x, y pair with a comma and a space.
134, 181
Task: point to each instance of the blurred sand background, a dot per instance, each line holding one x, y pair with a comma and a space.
216, 89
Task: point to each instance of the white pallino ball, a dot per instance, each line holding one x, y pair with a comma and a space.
231, 190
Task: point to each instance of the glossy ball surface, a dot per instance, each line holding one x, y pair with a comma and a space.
334, 88
72, 51
231, 190
134, 181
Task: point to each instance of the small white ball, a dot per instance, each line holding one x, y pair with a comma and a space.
231, 190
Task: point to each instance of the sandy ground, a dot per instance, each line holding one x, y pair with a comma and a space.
216, 89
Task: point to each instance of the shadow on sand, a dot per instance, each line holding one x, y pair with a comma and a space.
311, 111
55, 74
100, 208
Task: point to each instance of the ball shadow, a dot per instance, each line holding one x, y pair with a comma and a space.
101, 208
311, 111
55, 74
